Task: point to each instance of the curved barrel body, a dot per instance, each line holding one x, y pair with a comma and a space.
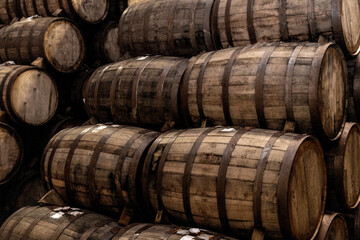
235, 180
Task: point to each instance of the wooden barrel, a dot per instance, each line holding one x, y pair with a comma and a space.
353, 113
57, 40
11, 153
46, 223
333, 227
97, 166
235, 180
265, 84
343, 167
166, 27
141, 91
38, 100
8, 10
82, 10
241, 22
105, 42
51, 222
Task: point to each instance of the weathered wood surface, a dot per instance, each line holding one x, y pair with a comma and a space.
53, 223
242, 22
105, 42
343, 167
166, 27
84, 10
333, 227
38, 100
11, 153
97, 166
265, 84
235, 180
141, 91
57, 40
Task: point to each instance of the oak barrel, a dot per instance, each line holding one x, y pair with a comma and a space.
141, 91
353, 113
166, 27
265, 84
8, 10
105, 42
343, 167
57, 40
83, 10
38, 100
11, 153
52, 223
242, 22
97, 166
235, 180
333, 227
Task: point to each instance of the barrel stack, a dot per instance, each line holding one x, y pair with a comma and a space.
237, 116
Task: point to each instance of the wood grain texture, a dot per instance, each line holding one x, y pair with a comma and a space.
289, 20
57, 40
166, 27
38, 100
11, 153
233, 180
50, 223
343, 163
333, 227
88, 11
265, 84
141, 91
97, 166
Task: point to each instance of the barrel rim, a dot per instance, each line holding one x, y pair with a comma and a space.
80, 18
19, 161
324, 229
315, 72
339, 172
339, 35
284, 180
81, 59
15, 77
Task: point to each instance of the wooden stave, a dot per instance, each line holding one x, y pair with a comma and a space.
282, 187
9, 11
31, 54
89, 225
132, 199
189, 45
335, 155
330, 16
13, 72
327, 225
173, 74
315, 117
19, 162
